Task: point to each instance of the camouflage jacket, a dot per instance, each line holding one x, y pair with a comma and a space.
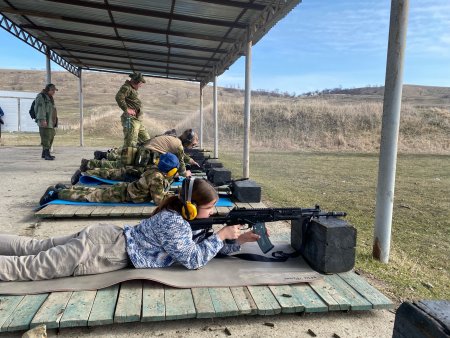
45, 109
152, 185
128, 97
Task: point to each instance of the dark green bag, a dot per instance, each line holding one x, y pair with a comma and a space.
128, 155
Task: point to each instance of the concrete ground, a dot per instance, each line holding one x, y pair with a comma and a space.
24, 176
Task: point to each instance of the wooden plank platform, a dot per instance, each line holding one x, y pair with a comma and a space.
145, 301
85, 211
128, 211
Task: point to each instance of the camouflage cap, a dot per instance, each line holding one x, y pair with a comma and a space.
137, 77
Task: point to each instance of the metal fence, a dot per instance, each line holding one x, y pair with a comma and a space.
16, 106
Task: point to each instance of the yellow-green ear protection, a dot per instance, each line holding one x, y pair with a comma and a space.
189, 209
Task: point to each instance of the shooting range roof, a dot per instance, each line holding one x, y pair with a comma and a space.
191, 40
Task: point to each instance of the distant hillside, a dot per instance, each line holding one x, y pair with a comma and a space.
411, 94
340, 119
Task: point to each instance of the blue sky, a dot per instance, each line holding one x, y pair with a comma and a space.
322, 44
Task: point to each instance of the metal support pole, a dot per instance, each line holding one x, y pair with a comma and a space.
201, 117
19, 120
389, 129
81, 108
48, 67
248, 70
216, 120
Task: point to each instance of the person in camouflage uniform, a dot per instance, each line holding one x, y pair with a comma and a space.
115, 170
126, 174
153, 185
166, 143
128, 100
46, 118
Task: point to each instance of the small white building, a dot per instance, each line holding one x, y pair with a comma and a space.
16, 106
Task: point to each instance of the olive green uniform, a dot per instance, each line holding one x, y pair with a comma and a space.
119, 174
133, 129
152, 185
160, 144
104, 164
45, 109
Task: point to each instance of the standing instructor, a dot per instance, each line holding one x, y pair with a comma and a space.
46, 118
128, 100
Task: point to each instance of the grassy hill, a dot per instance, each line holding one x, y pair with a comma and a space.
340, 119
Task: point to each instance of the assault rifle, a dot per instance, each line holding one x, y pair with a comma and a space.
230, 182
256, 219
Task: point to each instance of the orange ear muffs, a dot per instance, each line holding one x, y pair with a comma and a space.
172, 172
189, 209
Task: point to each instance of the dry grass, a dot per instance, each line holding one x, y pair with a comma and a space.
350, 121
320, 124
419, 266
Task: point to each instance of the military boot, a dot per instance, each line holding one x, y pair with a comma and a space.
47, 155
99, 155
84, 165
61, 186
75, 177
50, 194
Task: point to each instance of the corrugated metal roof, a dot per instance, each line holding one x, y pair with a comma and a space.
180, 39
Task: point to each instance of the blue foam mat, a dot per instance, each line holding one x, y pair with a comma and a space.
95, 180
223, 202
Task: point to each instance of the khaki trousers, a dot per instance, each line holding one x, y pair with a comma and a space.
96, 249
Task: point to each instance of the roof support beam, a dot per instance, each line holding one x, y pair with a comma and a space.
232, 3
201, 117
32, 41
148, 72
127, 72
115, 38
216, 119
389, 129
138, 65
81, 53
39, 14
146, 55
81, 102
48, 68
151, 13
247, 104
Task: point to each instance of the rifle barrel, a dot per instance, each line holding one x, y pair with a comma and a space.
261, 215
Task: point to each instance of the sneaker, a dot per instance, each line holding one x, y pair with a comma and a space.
75, 177
61, 186
84, 165
50, 194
